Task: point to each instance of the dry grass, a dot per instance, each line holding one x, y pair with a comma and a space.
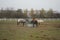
45, 31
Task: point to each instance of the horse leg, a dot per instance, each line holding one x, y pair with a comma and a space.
33, 25
18, 23
23, 23
39, 23
36, 24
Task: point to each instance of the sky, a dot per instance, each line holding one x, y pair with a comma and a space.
28, 4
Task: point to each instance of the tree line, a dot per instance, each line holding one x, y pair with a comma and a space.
20, 13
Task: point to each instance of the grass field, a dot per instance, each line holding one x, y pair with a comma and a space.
49, 30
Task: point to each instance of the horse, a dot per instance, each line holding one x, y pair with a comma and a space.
40, 21
23, 21
37, 22
34, 22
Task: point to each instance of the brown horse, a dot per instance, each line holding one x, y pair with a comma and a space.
34, 22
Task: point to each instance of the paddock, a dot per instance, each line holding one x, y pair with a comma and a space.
10, 31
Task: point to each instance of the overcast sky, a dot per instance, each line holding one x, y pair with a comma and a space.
35, 4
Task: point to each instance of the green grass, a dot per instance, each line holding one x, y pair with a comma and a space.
10, 31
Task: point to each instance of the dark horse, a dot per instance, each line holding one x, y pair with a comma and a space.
34, 22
